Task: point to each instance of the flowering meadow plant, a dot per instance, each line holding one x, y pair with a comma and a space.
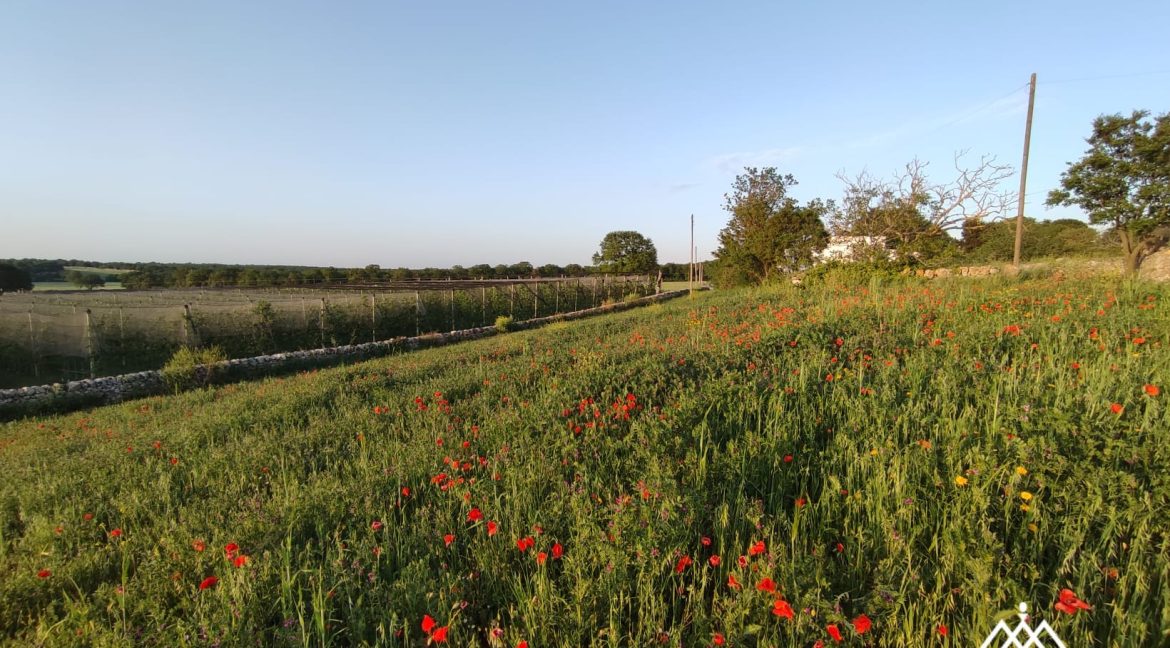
775, 467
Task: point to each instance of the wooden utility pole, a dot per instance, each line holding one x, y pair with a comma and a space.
1024, 174
691, 274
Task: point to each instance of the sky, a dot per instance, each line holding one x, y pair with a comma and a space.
448, 132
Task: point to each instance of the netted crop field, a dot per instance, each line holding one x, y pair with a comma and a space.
896, 465
48, 337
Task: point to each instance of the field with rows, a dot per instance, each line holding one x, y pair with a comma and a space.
891, 465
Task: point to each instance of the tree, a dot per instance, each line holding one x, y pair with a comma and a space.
87, 280
14, 278
1124, 181
914, 215
626, 252
769, 231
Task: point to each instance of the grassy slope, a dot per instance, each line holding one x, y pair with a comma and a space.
730, 430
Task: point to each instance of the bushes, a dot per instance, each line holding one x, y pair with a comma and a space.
189, 368
851, 273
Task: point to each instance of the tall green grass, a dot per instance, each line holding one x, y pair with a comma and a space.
831, 425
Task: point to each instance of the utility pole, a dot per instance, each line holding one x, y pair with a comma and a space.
691, 275
1024, 174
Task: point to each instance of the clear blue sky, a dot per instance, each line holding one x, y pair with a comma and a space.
438, 133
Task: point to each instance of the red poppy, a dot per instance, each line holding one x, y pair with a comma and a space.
682, 564
1151, 390
781, 608
428, 624
787, 458
439, 635
406, 491
706, 542
942, 630
758, 548
376, 525
714, 561
557, 551
492, 527
541, 557
717, 639
862, 624
116, 533
198, 545
87, 517
732, 583
44, 573
522, 644
1116, 408
524, 544
833, 632
231, 549
448, 539
474, 515
240, 561
766, 585
208, 582
1070, 604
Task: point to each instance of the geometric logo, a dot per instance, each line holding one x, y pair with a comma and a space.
1022, 636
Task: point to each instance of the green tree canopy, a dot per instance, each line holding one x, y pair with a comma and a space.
14, 278
1123, 181
626, 252
87, 280
769, 231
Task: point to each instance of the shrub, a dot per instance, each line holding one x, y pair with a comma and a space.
504, 323
190, 368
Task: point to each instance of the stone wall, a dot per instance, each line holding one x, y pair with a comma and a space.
112, 389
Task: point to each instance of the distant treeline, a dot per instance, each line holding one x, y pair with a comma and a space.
213, 275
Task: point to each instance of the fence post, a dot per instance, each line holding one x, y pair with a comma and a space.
452, 298
321, 322
122, 335
483, 305
32, 345
512, 301
557, 308
373, 317
535, 299
90, 349
417, 307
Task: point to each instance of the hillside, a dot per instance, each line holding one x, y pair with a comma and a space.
904, 462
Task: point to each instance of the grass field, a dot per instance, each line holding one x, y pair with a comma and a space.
45, 286
899, 465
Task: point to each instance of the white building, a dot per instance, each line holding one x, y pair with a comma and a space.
852, 248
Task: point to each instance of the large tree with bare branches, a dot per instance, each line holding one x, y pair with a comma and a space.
915, 214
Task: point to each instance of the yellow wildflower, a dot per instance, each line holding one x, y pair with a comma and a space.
961, 480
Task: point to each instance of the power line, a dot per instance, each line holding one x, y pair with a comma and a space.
1111, 76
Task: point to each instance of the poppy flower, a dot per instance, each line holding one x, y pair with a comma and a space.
706, 542
231, 549
198, 545
541, 557
439, 635
714, 561
448, 539
1117, 408
492, 527
781, 608
862, 624
682, 564
1151, 390
428, 624
87, 517
942, 630
1070, 604
717, 639
833, 632
208, 582
44, 573
406, 491
376, 525
766, 585
758, 548
116, 533
240, 561
732, 583
557, 551
474, 515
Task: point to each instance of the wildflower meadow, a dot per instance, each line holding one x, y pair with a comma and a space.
892, 464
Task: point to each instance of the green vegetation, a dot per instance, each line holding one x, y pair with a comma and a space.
191, 368
1123, 181
756, 465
